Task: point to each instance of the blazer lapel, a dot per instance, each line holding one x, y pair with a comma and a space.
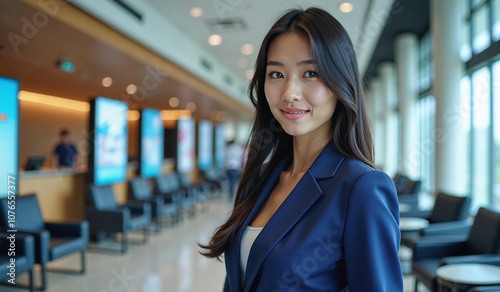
303, 196
232, 256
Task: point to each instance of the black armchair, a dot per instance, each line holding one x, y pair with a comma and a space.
24, 257
105, 215
482, 245
196, 191
449, 216
162, 206
409, 193
217, 178
52, 240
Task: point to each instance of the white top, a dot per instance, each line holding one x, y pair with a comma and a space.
249, 236
470, 274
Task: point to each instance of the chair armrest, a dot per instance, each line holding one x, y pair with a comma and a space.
107, 220
492, 259
138, 207
485, 289
461, 227
437, 247
417, 213
68, 229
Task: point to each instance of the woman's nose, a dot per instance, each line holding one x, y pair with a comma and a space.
292, 91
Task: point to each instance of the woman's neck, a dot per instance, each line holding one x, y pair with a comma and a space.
305, 150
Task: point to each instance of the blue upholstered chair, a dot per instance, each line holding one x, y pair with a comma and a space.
105, 215
52, 240
162, 206
482, 245
24, 257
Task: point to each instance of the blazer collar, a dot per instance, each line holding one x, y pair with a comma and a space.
303, 196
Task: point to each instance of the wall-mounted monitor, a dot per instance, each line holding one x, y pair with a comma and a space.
9, 134
205, 144
185, 145
151, 143
108, 141
220, 145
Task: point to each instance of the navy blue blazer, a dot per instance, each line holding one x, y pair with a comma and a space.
336, 231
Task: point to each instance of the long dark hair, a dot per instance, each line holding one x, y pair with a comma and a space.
338, 69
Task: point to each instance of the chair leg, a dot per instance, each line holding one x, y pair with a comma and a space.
146, 234
82, 253
44, 277
416, 285
124, 242
32, 281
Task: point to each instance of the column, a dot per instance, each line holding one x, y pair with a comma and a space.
388, 78
448, 68
406, 52
377, 121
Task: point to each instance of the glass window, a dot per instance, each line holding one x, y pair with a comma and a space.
481, 32
496, 20
481, 145
426, 108
464, 117
496, 116
465, 50
477, 3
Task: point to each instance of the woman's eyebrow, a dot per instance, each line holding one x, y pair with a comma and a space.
301, 63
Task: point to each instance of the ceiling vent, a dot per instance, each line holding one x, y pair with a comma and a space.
129, 9
227, 24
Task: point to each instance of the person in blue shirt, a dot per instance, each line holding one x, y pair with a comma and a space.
65, 153
312, 212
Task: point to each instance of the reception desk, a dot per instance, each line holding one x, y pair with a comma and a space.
62, 192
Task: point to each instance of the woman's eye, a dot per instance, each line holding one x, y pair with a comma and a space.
311, 74
275, 75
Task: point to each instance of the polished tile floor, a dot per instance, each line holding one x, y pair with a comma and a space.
169, 262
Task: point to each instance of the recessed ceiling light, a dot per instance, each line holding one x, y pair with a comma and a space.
191, 106
196, 12
174, 102
249, 73
242, 62
215, 40
107, 81
247, 49
131, 89
346, 7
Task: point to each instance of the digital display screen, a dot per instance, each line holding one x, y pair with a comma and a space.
220, 145
185, 145
205, 144
110, 151
9, 133
151, 143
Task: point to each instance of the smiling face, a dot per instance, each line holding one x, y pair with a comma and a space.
297, 96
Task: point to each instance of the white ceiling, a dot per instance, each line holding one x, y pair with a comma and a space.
363, 24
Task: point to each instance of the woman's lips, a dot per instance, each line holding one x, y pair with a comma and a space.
294, 113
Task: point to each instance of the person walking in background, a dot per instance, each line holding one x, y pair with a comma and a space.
65, 153
233, 163
311, 213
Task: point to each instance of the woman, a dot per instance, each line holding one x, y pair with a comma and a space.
317, 216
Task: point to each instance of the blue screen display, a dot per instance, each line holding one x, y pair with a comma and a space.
185, 145
9, 133
151, 143
111, 130
220, 145
205, 144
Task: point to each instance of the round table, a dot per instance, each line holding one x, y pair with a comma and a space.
461, 277
412, 223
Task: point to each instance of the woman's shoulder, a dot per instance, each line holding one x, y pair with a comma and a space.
358, 170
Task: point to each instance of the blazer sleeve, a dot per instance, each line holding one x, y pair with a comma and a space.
372, 235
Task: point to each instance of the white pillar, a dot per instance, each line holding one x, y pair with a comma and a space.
448, 69
407, 68
377, 121
388, 78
